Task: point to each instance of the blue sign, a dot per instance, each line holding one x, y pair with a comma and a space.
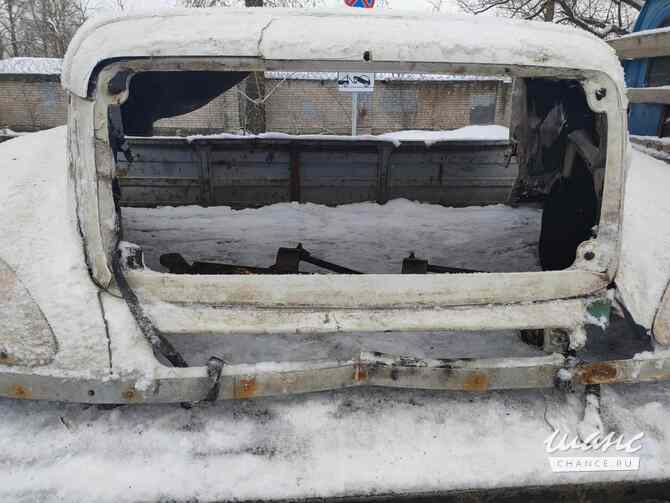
362, 4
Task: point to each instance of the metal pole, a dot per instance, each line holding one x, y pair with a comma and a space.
354, 114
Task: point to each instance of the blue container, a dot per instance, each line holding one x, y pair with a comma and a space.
646, 119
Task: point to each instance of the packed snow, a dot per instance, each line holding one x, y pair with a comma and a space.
366, 236
361, 442
32, 66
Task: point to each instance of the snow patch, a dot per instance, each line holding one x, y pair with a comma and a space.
492, 133
473, 133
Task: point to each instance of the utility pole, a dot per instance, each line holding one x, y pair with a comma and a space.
255, 90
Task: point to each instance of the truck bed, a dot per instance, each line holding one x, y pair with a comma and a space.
255, 171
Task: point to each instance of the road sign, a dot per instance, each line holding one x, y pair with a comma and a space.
363, 4
356, 82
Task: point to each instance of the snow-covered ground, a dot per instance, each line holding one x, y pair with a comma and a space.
368, 237
355, 442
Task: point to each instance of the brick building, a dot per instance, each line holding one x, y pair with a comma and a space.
306, 104
220, 114
31, 99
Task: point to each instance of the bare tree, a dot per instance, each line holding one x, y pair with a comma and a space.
40, 27
11, 13
253, 3
437, 5
603, 18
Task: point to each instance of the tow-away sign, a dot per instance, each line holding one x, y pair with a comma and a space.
356, 82
363, 4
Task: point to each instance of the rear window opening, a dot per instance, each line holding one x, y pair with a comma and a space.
364, 237
237, 173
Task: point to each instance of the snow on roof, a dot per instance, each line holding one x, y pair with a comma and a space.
405, 77
285, 35
31, 66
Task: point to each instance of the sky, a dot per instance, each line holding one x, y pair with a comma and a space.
448, 5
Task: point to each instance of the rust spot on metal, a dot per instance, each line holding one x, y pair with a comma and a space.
6, 358
360, 373
477, 381
130, 394
19, 391
7, 280
598, 373
246, 388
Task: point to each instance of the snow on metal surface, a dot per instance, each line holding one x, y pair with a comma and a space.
25, 336
644, 269
41, 244
490, 133
284, 34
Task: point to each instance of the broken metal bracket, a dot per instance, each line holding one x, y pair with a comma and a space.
413, 265
214, 369
287, 262
160, 345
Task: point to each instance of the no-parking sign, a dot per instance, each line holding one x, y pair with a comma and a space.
363, 4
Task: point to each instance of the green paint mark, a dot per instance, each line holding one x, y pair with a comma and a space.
601, 310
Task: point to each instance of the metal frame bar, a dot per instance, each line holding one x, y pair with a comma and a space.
602, 93
193, 319
170, 385
644, 44
649, 95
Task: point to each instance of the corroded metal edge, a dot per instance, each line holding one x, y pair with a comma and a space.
368, 369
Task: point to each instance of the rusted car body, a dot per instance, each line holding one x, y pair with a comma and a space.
112, 68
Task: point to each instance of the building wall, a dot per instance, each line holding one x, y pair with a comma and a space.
29, 103
313, 106
219, 115
32, 102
